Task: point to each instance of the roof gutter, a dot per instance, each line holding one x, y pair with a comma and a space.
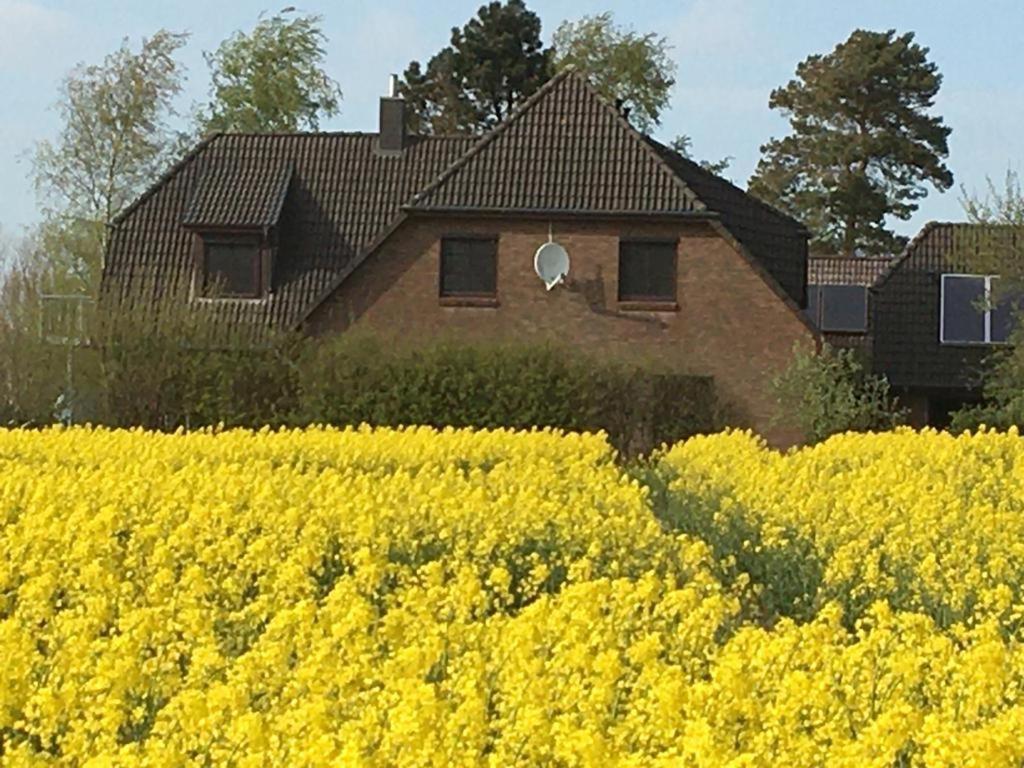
542, 213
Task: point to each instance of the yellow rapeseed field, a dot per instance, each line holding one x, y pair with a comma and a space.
458, 598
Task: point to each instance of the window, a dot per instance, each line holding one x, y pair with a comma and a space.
231, 268
647, 271
469, 267
838, 308
973, 313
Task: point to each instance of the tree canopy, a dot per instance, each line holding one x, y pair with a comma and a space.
625, 66
683, 144
114, 139
271, 79
493, 63
863, 144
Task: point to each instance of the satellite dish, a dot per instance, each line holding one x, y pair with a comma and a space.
551, 263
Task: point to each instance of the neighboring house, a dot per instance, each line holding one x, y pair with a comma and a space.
935, 322
424, 237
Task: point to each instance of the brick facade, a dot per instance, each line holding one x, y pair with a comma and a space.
730, 323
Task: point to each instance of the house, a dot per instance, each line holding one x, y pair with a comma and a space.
923, 319
935, 321
417, 237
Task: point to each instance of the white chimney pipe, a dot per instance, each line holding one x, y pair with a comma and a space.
392, 86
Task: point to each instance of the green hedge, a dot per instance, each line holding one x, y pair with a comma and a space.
355, 381
170, 380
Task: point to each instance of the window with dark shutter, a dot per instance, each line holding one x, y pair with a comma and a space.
469, 267
647, 271
844, 308
231, 268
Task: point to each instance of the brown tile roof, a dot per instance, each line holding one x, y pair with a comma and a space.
777, 241
847, 270
335, 197
566, 150
247, 190
342, 195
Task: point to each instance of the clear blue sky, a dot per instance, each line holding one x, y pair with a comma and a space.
730, 53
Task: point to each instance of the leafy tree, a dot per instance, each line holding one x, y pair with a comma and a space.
625, 67
271, 79
863, 144
114, 139
829, 392
995, 243
683, 145
493, 63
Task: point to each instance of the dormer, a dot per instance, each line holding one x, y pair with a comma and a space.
234, 216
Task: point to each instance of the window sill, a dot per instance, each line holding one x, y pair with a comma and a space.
640, 305
469, 301
231, 299
975, 343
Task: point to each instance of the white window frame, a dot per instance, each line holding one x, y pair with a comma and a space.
987, 341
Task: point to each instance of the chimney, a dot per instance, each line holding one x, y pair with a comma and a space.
392, 120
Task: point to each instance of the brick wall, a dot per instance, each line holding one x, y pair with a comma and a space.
730, 324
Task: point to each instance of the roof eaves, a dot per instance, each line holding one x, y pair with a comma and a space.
768, 278
700, 215
349, 269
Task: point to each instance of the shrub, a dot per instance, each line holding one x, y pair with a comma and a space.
187, 371
1002, 405
829, 392
352, 380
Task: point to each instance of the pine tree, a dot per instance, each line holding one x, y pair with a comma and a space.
863, 143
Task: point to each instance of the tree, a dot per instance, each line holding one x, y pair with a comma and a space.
624, 66
828, 392
995, 244
493, 63
683, 145
863, 144
114, 140
271, 79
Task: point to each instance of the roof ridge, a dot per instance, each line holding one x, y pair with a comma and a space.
526, 106
488, 138
911, 246
643, 140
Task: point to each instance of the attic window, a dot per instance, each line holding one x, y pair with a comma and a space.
838, 308
973, 313
231, 267
647, 271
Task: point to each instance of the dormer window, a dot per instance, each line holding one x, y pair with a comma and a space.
838, 308
232, 267
235, 217
973, 311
